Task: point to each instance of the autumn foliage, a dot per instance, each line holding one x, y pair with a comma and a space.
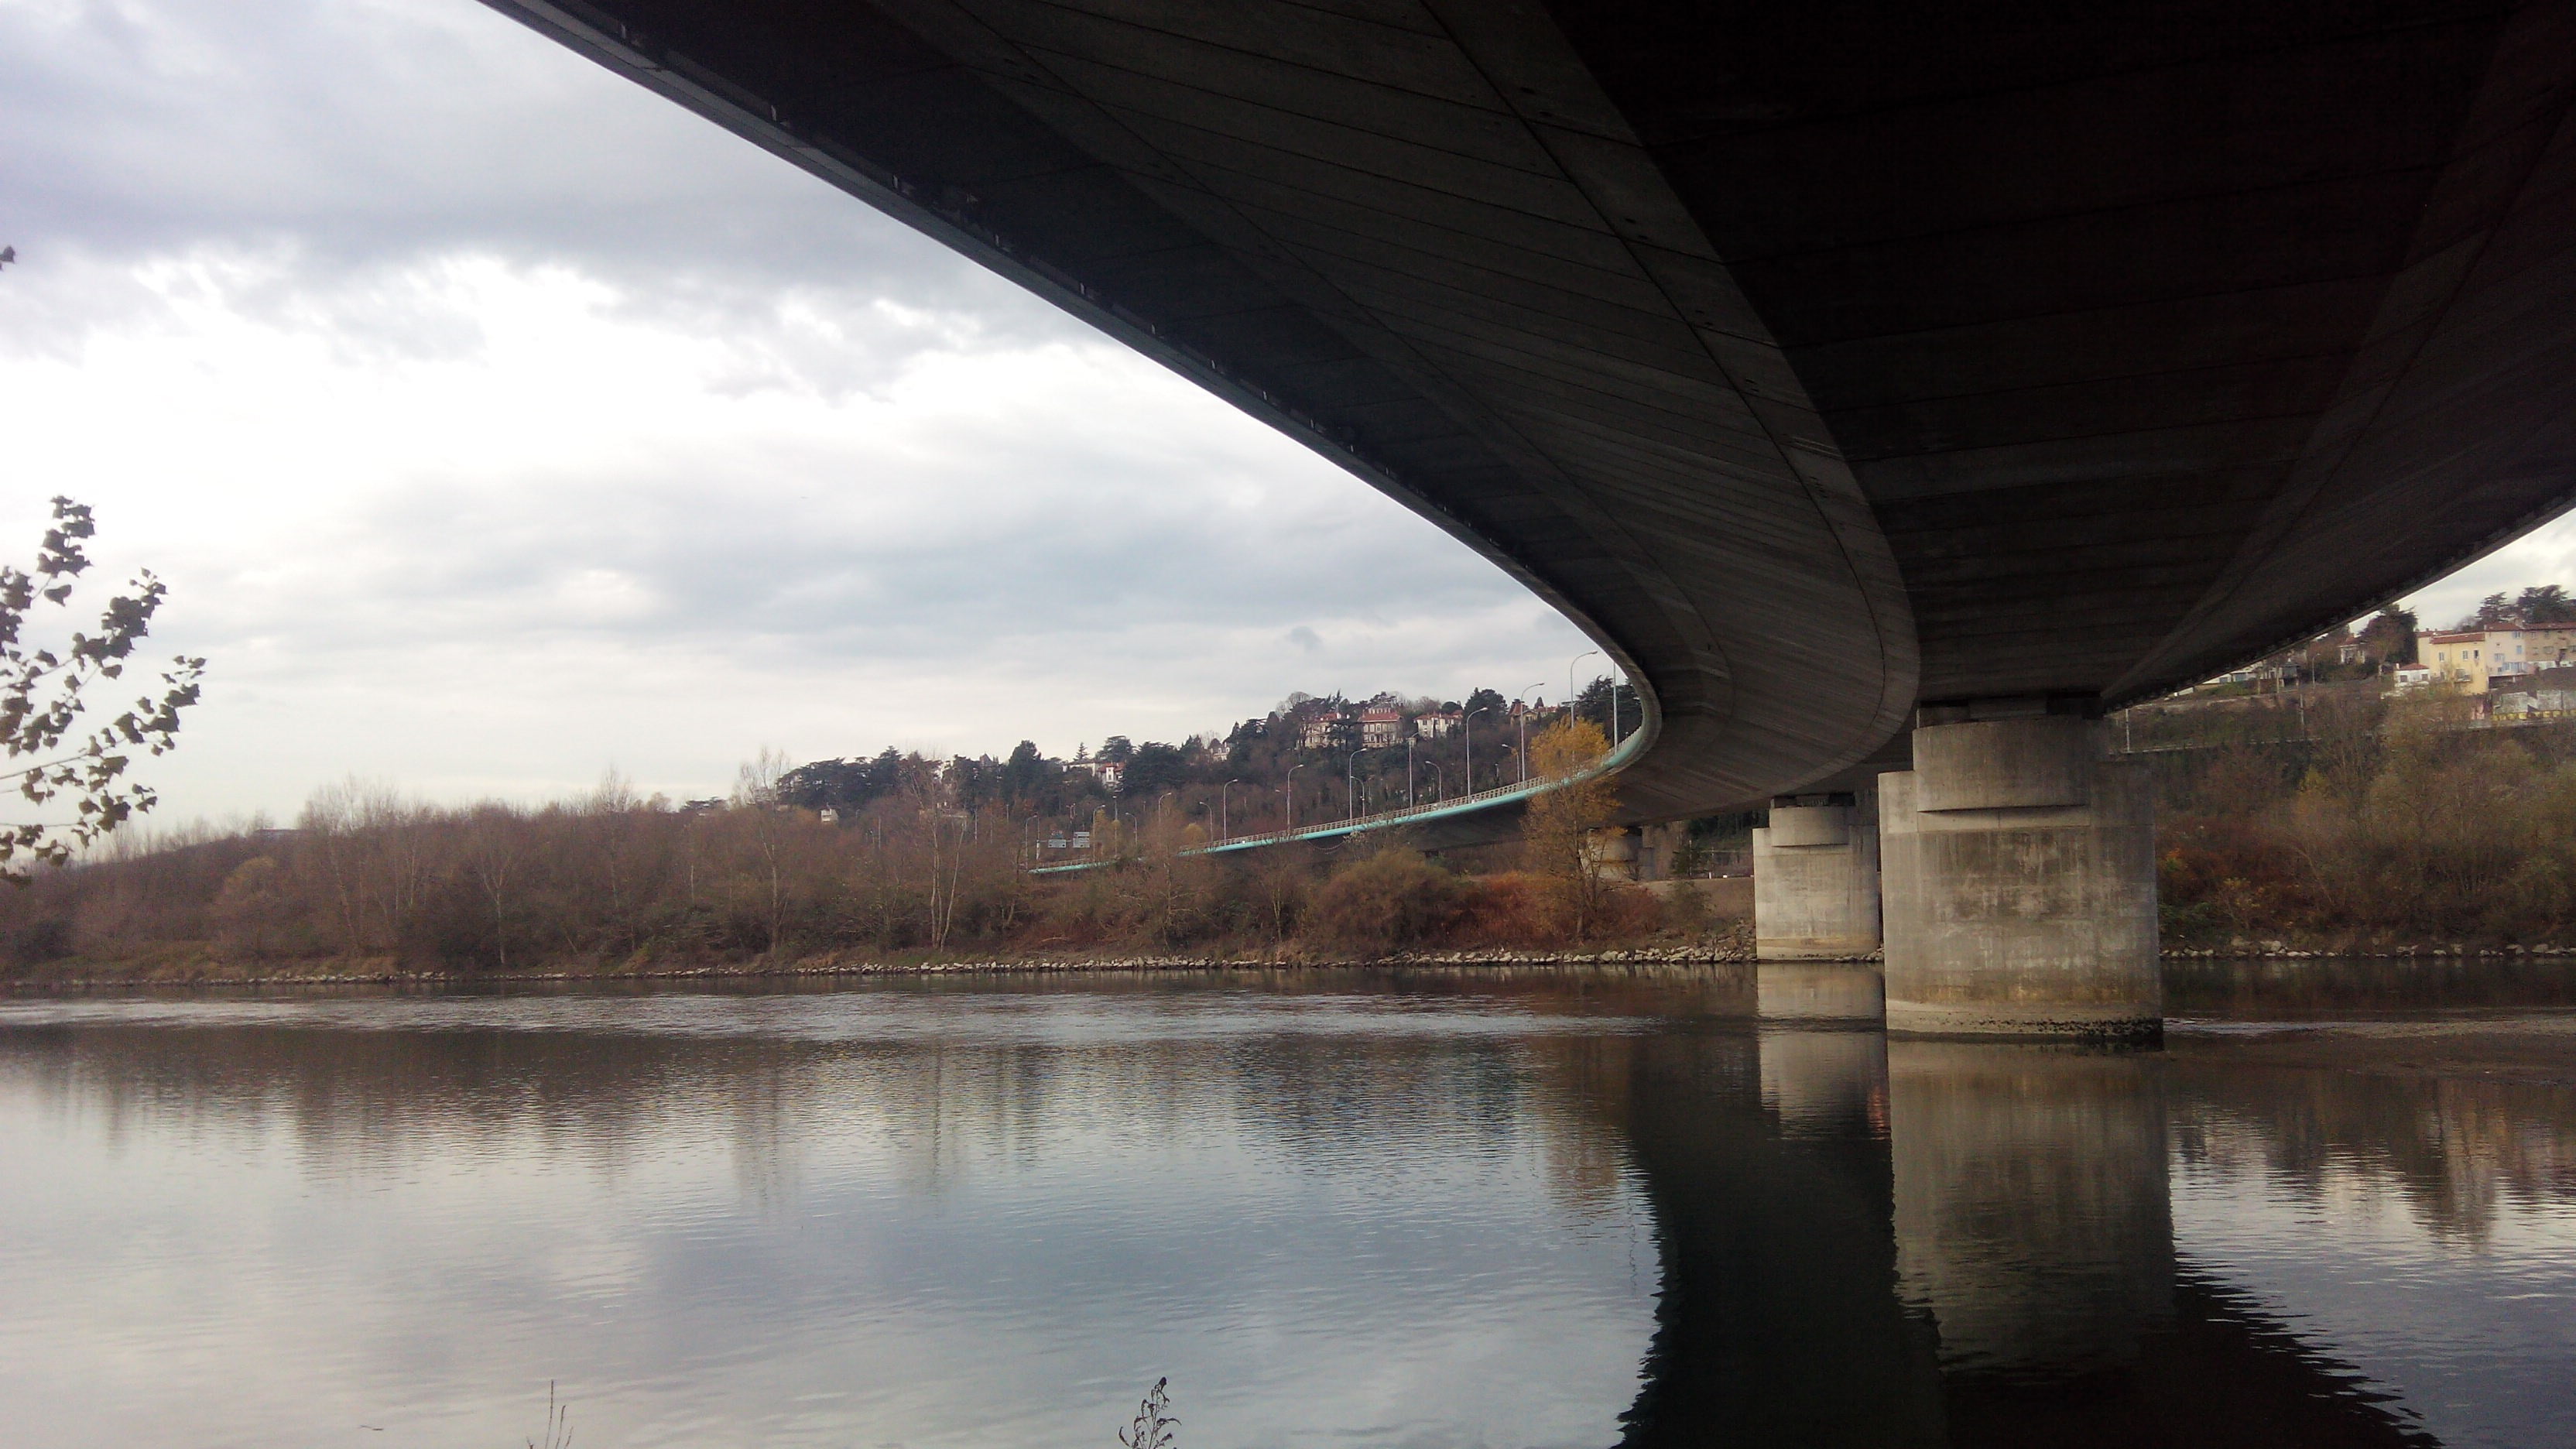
2400, 821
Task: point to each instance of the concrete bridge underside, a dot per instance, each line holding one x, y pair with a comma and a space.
1820, 361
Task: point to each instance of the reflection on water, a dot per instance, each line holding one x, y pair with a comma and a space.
2031, 1213
1652, 1206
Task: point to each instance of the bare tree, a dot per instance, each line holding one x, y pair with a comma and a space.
328, 830
494, 837
755, 793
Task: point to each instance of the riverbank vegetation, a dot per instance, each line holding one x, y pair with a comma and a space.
612, 882
2332, 819
2345, 818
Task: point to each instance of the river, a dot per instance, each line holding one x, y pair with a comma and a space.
1546, 1206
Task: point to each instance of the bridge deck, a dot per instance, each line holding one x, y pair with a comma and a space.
1815, 368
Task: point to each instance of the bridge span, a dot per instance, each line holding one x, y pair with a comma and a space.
1882, 387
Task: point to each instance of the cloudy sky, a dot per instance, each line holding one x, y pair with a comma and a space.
496, 422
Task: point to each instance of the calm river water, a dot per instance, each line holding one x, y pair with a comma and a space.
1547, 1207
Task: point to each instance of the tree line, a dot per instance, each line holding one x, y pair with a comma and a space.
919, 867
2346, 815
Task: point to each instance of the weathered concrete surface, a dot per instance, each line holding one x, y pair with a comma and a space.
2020, 920
1815, 882
2030, 763
2033, 1217
1612, 853
1723, 898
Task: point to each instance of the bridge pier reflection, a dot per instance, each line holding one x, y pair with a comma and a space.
1915, 1242
1778, 1323
1823, 1058
2033, 1219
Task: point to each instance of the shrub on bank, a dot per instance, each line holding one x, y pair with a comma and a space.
1391, 900
1509, 909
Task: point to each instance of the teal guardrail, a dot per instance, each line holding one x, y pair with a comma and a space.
1617, 759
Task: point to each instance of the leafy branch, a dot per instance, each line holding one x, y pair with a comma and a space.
45, 692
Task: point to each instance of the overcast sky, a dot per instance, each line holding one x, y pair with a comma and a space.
495, 422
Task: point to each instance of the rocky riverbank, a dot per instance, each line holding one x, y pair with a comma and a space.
203, 971
1733, 949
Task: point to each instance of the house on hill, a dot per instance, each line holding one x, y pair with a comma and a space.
1332, 729
2473, 658
1110, 773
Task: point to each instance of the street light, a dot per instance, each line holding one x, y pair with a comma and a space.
1290, 790
1408, 772
1569, 673
1470, 729
1351, 784
1524, 723
1224, 811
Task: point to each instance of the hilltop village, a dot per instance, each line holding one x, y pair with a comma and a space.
1310, 760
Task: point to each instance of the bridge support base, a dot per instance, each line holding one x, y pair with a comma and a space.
1815, 879
1612, 851
2020, 874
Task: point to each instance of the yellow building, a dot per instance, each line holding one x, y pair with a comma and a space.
2468, 658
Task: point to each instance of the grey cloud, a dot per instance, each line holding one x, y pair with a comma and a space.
1093, 557
1046, 569
365, 136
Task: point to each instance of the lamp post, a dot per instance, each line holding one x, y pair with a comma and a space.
1225, 811
1470, 731
1569, 673
1524, 723
1290, 790
1351, 782
1408, 772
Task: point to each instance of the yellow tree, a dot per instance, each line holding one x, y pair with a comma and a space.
1556, 833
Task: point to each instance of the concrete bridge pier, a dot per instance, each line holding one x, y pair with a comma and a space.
1613, 853
1815, 879
2020, 880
